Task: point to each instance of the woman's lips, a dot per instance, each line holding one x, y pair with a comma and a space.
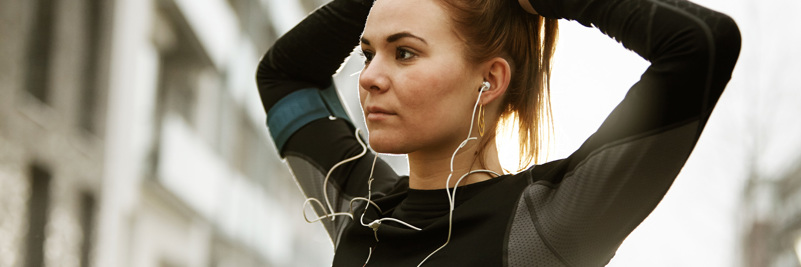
377, 116
378, 113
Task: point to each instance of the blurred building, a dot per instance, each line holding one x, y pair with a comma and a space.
131, 134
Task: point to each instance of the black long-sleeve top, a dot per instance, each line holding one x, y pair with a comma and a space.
574, 211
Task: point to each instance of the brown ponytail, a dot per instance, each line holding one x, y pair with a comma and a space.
492, 28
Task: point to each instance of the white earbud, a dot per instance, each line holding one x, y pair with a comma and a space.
485, 86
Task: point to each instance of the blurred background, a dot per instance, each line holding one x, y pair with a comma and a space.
132, 135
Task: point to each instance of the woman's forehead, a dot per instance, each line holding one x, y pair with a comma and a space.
423, 18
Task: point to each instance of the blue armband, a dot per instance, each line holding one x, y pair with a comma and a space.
299, 108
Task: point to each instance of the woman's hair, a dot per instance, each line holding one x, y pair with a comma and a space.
492, 28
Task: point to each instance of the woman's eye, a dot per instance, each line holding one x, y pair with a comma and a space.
403, 54
367, 55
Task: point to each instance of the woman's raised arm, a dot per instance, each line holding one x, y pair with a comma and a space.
593, 199
306, 119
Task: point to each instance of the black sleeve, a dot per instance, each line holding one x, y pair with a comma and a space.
314, 132
600, 193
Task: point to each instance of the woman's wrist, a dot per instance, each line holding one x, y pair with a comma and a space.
526, 5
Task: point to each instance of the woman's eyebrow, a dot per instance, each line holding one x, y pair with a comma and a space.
401, 35
395, 37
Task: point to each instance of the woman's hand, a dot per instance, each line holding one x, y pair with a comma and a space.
526, 5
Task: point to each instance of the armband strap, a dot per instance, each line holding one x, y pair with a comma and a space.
301, 107
331, 99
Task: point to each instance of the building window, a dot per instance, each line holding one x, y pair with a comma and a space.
89, 86
38, 206
39, 54
177, 88
178, 72
87, 227
184, 67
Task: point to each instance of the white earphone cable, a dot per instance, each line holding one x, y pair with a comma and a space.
452, 195
329, 213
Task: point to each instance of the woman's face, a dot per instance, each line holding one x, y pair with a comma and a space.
417, 90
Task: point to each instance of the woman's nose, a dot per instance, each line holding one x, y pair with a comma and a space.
374, 77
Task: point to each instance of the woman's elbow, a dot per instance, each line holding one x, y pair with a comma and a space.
727, 42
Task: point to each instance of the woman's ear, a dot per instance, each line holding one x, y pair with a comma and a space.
498, 73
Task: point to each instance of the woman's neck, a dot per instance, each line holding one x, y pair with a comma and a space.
430, 169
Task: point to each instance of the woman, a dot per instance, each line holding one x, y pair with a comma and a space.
428, 65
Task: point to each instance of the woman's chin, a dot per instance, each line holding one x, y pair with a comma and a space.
383, 147
386, 145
